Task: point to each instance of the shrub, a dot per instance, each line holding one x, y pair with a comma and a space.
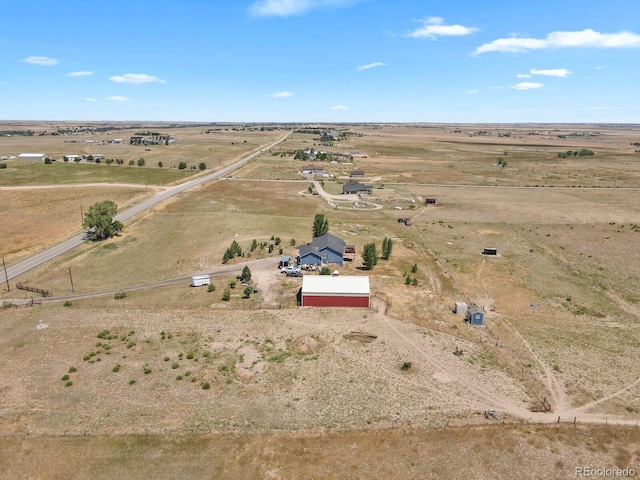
132, 381
405, 366
179, 377
190, 356
206, 386
226, 296
146, 370
166, 359
187, 373
67, 303
116, 368
68, 384
103, 334
175, 365
232, 284
65, 377
131, 344
120, 295
211, 288
72, 369
3, 165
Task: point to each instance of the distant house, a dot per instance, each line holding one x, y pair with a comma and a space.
324, 249
312, 169
32, 157
356, 187
474, 315
136, 140
357, 174
72, 158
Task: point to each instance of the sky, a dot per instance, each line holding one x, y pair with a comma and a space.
473, 61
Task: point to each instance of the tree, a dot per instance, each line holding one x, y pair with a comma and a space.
202, 166
387, 246
369, 256
320, 225
226, 295
407, 280
246, 274
182, 166
414, 269
141, 162
247, 292
325, 271
160, 164
254, 245
99, 220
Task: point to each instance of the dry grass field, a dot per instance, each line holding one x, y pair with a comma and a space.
287, 395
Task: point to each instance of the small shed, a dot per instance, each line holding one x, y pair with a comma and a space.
460, 308
474, 315
490, 251
430, 201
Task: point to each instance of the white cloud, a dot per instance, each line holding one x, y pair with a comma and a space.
523, 75
472, 92
434, 27
286, 8
554, 72
136, 78
280, 94
43, 61
338, 107
90, 100
79, 74
600, 67
118, 98
583, 38
527, 85
497, 87
370, 65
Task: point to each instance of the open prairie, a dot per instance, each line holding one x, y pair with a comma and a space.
176, 368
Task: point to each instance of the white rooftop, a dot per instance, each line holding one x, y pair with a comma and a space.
340, 285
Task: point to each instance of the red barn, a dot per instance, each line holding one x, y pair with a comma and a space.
340, 291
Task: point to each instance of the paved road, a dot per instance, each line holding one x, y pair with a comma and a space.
42, 257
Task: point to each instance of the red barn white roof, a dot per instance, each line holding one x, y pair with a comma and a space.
341, 285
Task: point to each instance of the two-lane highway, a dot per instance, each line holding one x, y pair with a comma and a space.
46, 255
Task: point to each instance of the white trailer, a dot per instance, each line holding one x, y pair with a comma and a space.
200, 280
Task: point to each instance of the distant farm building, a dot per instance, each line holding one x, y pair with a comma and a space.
357, 174
136, 140
356, 187
474, 315
72, 158
430, 201
490, 251
312, 169
324, 249
335, 291
32, 157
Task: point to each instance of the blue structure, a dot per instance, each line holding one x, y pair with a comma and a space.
474, 315
324, 249
284, 261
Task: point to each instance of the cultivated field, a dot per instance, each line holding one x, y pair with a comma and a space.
177, 369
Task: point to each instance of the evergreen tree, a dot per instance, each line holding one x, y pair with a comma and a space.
320, 225
369, 256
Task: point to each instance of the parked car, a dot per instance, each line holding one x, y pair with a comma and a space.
400, 220
407, 222
294, 273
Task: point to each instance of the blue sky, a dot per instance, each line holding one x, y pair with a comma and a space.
321, 60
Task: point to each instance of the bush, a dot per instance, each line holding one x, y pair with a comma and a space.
202, 166
103, 334
211, 288
182, 166
116, 368
179, 377
3, 165
67, 303
226, 296
175, 365
405, 366
65, 378
72, 369
68, 384
206, 386
146, 370
120, 295
190, 356
132, 381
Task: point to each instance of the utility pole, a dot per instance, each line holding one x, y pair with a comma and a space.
5, 275
71, 278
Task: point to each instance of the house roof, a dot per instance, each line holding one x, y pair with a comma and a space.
356, 187
340, 285
329, 241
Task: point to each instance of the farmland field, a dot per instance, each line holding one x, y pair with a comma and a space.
561, 303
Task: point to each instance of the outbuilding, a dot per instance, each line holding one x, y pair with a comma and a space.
335, 291
32, 157
474, 315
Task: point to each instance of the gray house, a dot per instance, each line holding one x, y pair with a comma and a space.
356, 187
324, 249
